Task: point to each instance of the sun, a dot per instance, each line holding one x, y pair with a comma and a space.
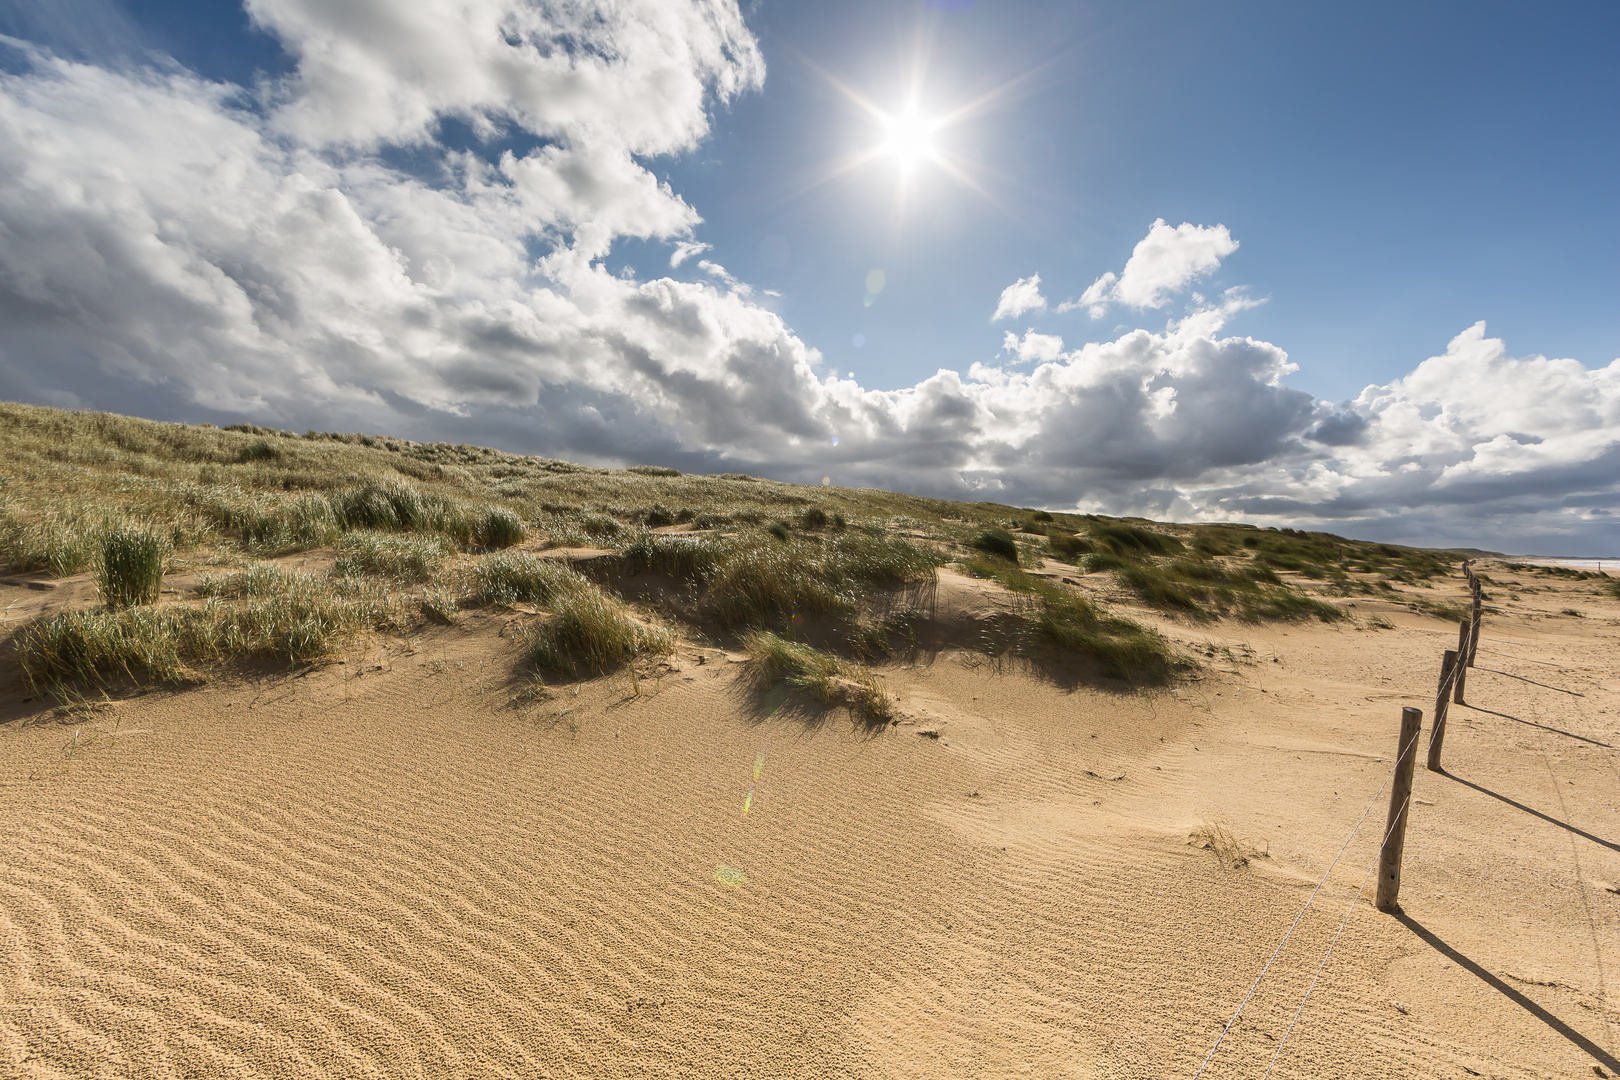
909, 138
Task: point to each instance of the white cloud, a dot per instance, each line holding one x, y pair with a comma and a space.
170, 251
1164, 262
635, 73
1021, 296
685, 249
1032, 346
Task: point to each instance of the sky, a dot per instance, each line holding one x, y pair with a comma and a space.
1353, 267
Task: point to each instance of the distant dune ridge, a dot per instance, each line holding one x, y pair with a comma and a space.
341, 755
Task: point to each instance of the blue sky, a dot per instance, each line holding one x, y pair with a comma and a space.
1393, 174
457, 221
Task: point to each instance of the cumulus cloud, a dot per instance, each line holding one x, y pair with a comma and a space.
635, 73
185, 248
1164, 262
1032, 346
1021, 296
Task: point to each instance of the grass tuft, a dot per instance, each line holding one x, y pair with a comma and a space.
825, 677
761, 582
130, 569
1218, 839
439, 604
391, 555
511, 577
1126, 539
1067, 545
997, 542
590, 632
1068, 622
498, 527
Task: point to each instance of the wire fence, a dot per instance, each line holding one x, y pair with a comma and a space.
1452, 685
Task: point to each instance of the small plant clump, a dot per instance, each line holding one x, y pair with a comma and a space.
590, 632
1204, 589
511, 577
397, 556
1068, 546
499, 527
130, 569
1219, 840
997, 542
827, 678
1068, 622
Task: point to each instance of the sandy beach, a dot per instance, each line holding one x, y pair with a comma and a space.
386, 866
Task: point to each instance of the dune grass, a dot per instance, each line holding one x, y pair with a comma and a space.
1205, 589
264, 612
401, 557
827, 678
591, 632
511, 577
1062, 620
130, 569
58, 543
498, 527
759, 580
997, 542
426, 528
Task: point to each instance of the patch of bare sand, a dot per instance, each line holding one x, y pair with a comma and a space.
386, 868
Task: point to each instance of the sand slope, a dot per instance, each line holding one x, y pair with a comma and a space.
387, 868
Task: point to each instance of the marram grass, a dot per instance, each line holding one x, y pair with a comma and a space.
590, 632
827, 678
130, 568
276, 615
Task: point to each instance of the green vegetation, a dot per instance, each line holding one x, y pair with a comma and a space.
761, 581
999, 543
1068, 545
1068, 622
1569, 573
499, 527
1440, 609
424, 531
590, 632
130, 570
272, 614
1203, 589
514, 578
826, 678
1128, 539
399, 557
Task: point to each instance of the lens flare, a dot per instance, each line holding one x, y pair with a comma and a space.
910, 137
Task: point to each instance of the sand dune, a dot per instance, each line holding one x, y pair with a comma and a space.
387, 868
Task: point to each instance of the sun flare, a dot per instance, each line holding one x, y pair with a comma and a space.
909, 137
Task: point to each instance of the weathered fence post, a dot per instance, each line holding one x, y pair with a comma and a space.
1437, 733
1400, 797
1464, 646
1473, 631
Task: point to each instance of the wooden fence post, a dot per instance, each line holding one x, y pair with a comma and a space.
1464, 644
1473, 631
1400, 797
1437, 733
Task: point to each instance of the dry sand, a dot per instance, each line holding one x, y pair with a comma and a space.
386, 868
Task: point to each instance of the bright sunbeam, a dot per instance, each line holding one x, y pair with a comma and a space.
915, 141
910, 138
